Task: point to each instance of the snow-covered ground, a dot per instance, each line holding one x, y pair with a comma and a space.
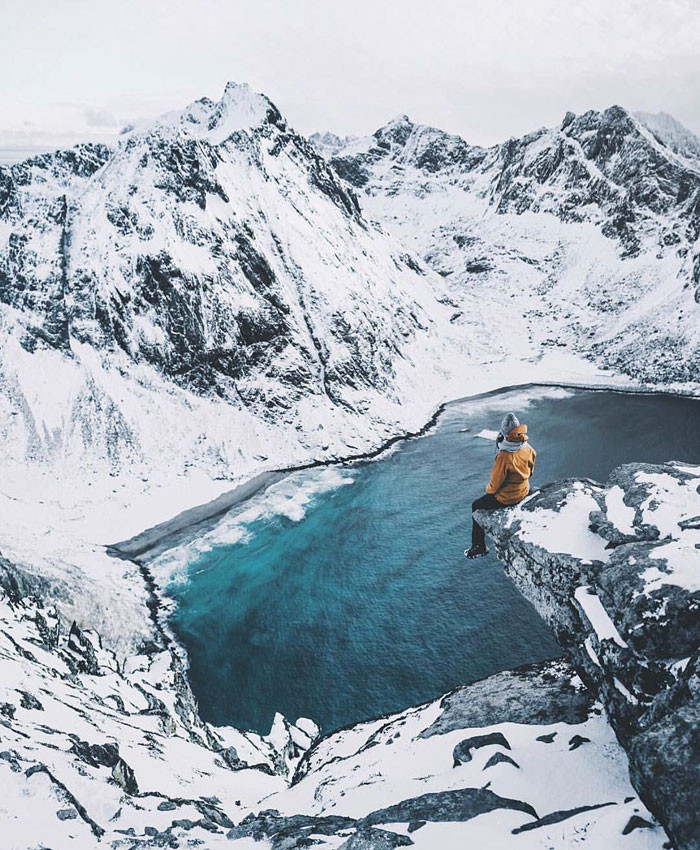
98, 753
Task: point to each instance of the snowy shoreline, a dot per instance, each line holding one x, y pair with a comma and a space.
152, 541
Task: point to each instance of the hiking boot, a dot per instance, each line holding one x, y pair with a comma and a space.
476, 552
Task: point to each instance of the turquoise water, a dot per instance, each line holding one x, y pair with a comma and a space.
342, 601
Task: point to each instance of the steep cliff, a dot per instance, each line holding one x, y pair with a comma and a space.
615, 571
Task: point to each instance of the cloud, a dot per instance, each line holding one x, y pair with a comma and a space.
483, 70
95, 117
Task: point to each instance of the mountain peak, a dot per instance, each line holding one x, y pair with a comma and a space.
397, 130
239, 108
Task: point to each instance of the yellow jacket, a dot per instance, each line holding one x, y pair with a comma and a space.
510, 476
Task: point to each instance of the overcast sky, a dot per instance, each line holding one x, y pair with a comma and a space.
72, 69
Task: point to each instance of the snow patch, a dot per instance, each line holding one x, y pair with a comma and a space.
620, 514
682, 565
597, 616
565, 530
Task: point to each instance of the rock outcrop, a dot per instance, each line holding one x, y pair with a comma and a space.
615, 572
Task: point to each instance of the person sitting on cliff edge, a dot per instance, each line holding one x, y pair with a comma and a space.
510, 477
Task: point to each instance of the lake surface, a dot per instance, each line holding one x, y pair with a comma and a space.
343, 593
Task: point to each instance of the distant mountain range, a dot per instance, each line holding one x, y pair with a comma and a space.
587, 231
218, 261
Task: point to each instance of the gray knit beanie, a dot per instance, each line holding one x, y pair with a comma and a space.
510, 421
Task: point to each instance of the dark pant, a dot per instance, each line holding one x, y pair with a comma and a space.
484, 503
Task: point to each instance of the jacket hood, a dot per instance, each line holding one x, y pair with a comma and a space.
518, 434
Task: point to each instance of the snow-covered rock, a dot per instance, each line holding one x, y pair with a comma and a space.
615, 571
94, 747
585, 236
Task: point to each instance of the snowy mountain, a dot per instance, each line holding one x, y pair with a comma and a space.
212, 283
212, 299
328, 143
213, 258
671, 133
588, 231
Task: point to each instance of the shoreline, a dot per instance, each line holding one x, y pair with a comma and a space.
147, 544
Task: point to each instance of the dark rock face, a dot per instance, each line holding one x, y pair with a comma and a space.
180, 249
463, 751
557, 817
30, 279
459, 805
296, 831
500, 758
627, 616
530, 694
288, 832
371, 838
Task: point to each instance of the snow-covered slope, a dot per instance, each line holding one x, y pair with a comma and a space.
583, 236
670, 132
98, 753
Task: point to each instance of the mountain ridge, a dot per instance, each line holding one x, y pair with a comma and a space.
619, 218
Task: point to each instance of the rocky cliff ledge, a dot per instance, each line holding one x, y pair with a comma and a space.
615, 572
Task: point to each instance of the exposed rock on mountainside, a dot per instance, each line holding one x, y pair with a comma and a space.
615, 571
98, 748
214, 256
586, 234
